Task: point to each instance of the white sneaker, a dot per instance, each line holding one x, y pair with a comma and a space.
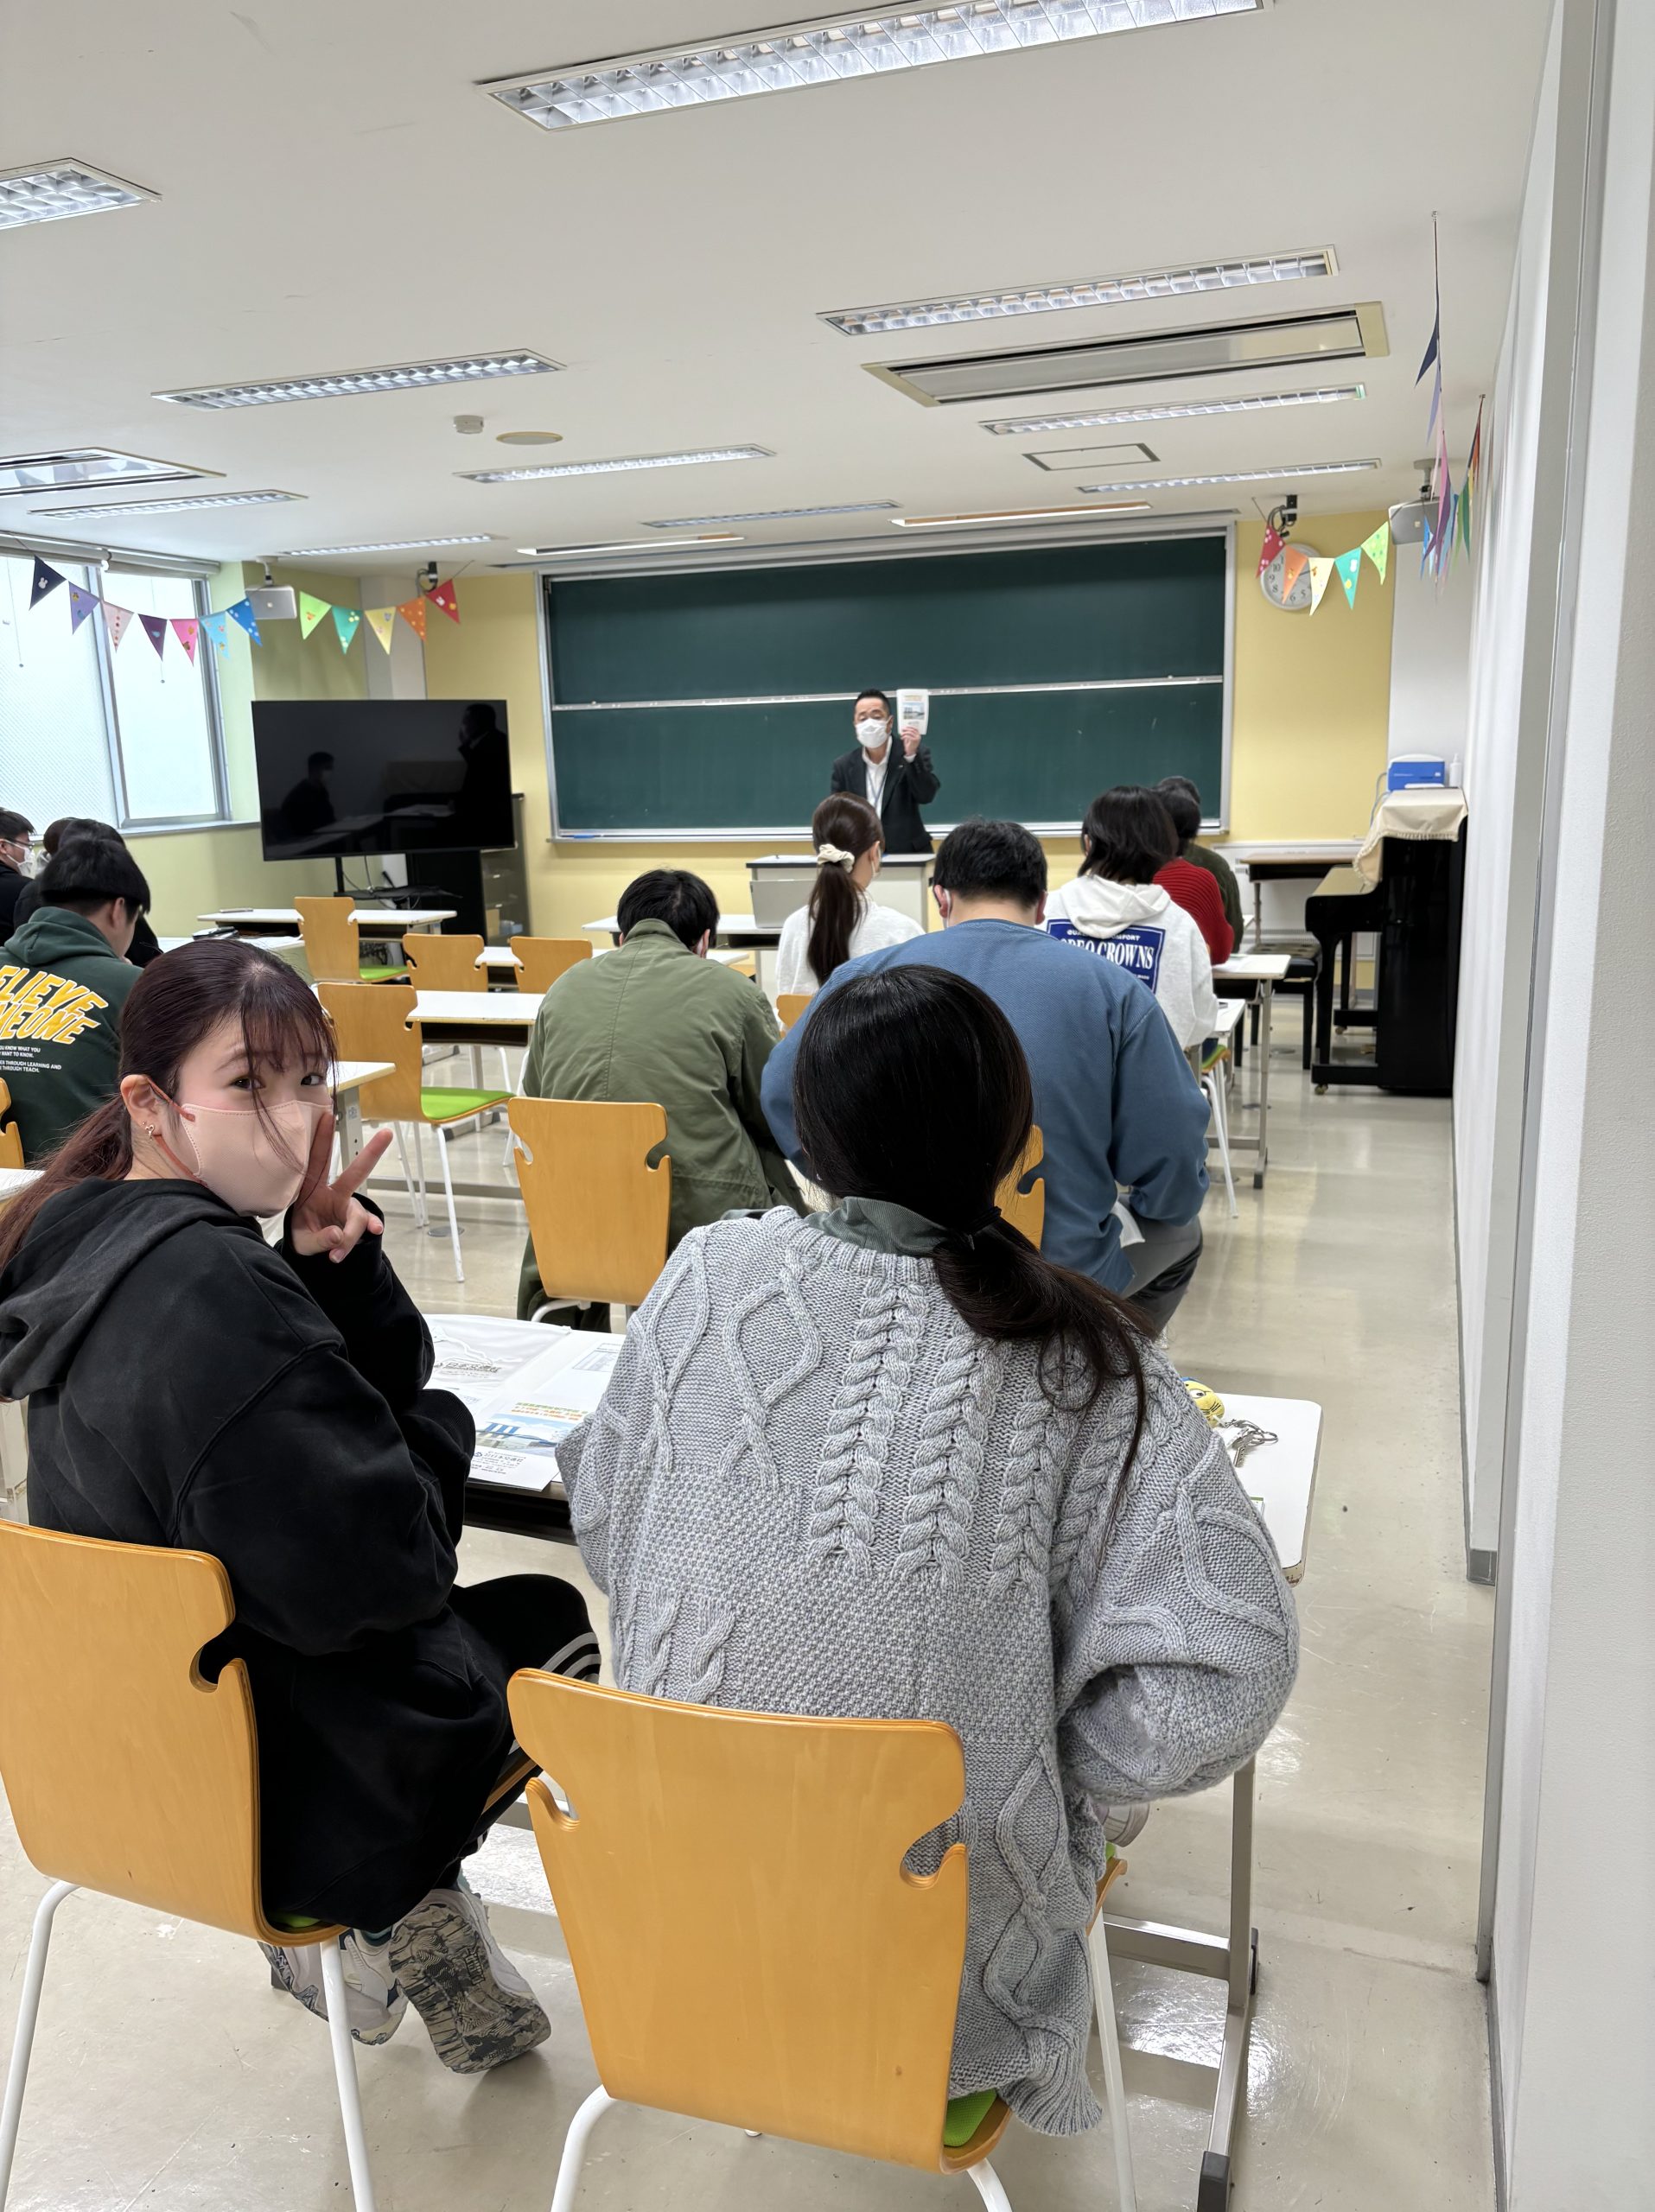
478, 2009
374, 2002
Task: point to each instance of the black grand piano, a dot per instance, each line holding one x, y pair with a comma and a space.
1414, 909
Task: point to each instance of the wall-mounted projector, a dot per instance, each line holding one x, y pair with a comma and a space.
1408, 521
274, 603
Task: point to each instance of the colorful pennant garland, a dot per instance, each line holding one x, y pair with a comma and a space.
80, 605
382, 620
412, 612
346, 621
1349, 566
311, 610
115, 621
187, 628
446, 597
155, 629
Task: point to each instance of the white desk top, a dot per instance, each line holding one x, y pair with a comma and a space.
15, 1180
351, 1075
1230, 1012
496, 1365
888, 860
260, 944
498, 957
729, 925
390, 918
1251, 968
495, 1009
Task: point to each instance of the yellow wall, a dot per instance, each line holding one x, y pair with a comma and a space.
1312, 695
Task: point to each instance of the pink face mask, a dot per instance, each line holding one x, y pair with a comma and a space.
254, 1159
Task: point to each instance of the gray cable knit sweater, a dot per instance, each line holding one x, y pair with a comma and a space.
811, 1489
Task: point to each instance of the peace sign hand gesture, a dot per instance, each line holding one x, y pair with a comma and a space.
328, 1217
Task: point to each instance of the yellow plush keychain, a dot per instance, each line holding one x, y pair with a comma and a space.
1207, 1402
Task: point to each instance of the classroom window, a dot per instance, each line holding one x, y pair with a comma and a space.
123, 734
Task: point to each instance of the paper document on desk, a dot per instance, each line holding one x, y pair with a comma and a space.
486, 1374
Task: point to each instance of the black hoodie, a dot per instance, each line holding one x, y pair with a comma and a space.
189, 1386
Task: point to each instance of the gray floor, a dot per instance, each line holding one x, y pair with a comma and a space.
167, 2073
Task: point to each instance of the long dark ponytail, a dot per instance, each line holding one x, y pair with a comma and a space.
911, 1086
850, 826
177, 1000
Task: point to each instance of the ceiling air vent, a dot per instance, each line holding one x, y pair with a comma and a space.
1152, 357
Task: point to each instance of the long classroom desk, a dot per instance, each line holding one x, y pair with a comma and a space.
284, 921
735, 936
1263, 970
497, 1365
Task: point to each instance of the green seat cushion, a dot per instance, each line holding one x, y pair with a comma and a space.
445, 1102
371, 975
964, 2117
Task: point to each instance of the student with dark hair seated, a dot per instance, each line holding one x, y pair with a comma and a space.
890, 1460
1183, 877
1114, 1098
145, 946
16, 863
657, 1020
64, 978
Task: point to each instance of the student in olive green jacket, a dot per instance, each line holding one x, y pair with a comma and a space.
657, 1020
64, 977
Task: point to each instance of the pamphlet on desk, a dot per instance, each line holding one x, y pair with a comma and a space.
527, 1386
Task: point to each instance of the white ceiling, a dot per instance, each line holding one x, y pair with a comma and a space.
335, 194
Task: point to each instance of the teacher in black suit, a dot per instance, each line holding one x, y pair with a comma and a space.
892, 772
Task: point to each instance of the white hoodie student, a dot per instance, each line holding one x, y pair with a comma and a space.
1138, 925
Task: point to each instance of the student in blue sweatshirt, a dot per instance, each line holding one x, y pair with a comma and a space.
1116, 1104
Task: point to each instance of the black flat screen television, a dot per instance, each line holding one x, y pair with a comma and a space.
346, 776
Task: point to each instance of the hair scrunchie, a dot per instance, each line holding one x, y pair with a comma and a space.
834, 857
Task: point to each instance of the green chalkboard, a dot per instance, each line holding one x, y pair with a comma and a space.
718, 700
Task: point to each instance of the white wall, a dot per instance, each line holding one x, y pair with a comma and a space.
1430, 656
1573, 1993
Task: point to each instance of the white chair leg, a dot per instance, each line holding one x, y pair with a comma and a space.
415, 1200
350, 2101
1109, 2038
568, 2168
24, 2042
989, 2187
1212, 1085
418, 1129
454, 1218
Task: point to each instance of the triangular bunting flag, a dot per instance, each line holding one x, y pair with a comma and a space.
1378, 548
115, 621
311, 610
1349, 566
447, 598
382, 620
155, 629
242, 611
1435, 345
1320, 570
218, 628
1465, 512
1293, 566
80, 605
1475, 460
347, 622
46, 580
412, 612
1269, 550
1444, 492
187, 630
1436, 403
1425, 544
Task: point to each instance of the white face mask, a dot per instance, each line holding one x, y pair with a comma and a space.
21, 858
254, 1162
872, 733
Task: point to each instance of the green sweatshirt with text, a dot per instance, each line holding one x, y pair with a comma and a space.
62, 987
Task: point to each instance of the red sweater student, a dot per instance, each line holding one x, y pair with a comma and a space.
1197, 893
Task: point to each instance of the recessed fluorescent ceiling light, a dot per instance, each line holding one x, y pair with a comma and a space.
79, 467
1170, 410
1235, 476
386, 546
627, 545
777, 514
1018, 514
610, 468
826, 50
1091, 292
409, 376
47, 194
171, 507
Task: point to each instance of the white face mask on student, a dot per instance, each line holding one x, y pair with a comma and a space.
872, 733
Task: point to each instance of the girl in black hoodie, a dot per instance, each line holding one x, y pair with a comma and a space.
189, 1386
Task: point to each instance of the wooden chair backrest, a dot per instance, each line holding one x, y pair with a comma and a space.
331, 945
1025, 1210
748, 1946
370, 1023
541, 960
11, 1139
789, 1006
445, 963
127, 1771
597, 1210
